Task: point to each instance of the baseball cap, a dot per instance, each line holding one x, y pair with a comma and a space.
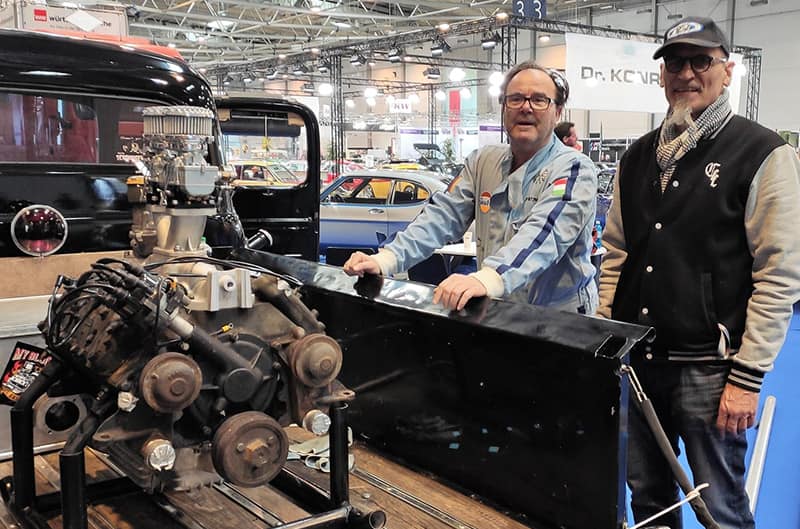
699, 31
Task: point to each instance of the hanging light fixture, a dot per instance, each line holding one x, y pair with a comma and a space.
440, 95
490, 40
357, 59
395, 55
432, 72
439, 47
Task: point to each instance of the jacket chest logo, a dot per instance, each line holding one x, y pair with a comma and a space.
712, 172
485, 201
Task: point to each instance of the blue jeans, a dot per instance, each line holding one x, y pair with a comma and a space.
686, 400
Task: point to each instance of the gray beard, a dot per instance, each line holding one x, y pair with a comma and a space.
680, 118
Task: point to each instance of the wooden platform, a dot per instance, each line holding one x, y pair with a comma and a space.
409, 499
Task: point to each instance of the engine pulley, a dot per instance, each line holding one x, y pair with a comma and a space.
249, 449
170, 382
315, 359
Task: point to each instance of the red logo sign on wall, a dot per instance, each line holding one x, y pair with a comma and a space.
40, 15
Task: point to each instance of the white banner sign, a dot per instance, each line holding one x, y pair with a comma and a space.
615, 74
44, 17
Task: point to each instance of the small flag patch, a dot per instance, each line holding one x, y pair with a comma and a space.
560, 187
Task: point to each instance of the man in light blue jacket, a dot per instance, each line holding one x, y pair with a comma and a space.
533, 203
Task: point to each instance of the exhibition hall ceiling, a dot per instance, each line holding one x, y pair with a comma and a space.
230, 33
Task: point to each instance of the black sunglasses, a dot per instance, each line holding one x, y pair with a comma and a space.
699, 63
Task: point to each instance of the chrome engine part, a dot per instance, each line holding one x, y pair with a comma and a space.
174, 195
172, 200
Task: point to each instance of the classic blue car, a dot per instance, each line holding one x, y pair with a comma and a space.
360, 210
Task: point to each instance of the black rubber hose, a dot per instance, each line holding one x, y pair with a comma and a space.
697, 503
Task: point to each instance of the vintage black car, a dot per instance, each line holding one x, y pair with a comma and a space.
70, 135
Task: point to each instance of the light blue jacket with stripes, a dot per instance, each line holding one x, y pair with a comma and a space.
533, 227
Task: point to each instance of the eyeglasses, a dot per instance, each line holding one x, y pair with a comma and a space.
699, 63
537, 101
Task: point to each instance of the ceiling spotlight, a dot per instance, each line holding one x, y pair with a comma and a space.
495, 79
439, 47
494, 90
502, 15
298, 69
490, 40
413, 97
227, 80
247, 77
457, 75
395, 55
544, 37
357, 59
370, 92
323, 66
390, 99
314, 50
349, 103
281, 56
466, 93
370, 101
339, 24
432, 72
444, 26
440, 95
325, 89
272, 74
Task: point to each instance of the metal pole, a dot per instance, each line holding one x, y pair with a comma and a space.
756, 466
339, 456
696, 502
24, 477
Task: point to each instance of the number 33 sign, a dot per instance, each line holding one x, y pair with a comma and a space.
536, 9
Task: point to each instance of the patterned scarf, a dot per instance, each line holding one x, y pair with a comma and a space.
672, 146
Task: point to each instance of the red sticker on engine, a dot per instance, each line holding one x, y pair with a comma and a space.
25, 364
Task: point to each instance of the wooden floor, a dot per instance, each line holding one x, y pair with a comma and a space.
410, 500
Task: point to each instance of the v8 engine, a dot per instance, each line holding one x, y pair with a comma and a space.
189, 366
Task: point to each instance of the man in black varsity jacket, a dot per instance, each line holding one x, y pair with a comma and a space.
702, 245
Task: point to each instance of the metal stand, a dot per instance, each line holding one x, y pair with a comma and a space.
692, 493
19, 492
343, 514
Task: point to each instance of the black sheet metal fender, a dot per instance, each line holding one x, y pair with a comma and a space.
521, 405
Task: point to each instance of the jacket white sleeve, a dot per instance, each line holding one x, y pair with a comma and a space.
443, 220
773, 207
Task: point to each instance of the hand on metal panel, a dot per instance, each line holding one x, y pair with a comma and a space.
456, 290
360, 263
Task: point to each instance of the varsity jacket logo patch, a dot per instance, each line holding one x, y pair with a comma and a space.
712, 172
